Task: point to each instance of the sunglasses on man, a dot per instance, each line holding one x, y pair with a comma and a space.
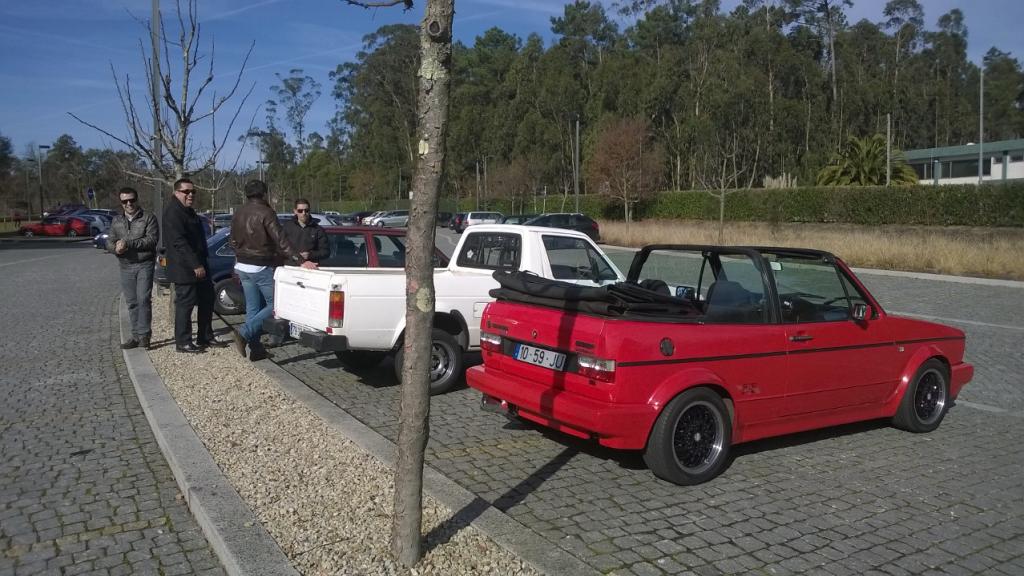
130, 201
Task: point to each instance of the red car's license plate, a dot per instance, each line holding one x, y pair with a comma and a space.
539, 357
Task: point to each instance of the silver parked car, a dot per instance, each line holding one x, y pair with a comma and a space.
393, 219
474, 218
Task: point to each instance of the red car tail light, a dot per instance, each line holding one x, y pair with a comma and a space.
336, 315
596, 368
490, 341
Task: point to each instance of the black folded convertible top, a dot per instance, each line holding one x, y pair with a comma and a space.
617, 300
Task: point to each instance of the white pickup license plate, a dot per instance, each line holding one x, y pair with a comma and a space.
539, 357
295, 329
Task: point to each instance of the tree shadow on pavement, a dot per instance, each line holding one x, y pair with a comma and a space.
464, 517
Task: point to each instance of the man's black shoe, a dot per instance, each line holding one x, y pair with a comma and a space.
131, 343
189, 348
212, 342
258, 354
144, 342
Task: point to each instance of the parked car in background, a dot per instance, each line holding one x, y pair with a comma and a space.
476, 218
443, 218
322, 219
358, 216
456, 221
518, 218
97, 222
568, 221
372, 218
70, 226
221, 220
393, 219
100, 240
228, 297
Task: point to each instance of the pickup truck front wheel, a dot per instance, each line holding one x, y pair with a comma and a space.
689, 443
359, 359
445, 362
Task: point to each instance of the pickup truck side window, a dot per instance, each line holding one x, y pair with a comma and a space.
576, 259
347, 251
811, 290
490, 251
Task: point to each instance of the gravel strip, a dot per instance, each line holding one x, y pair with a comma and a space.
326, 502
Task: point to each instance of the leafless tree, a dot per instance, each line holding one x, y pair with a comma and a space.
625, 165
432, 124
169, 146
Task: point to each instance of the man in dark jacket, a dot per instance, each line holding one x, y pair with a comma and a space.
187, 268
259, 245
133, 239
305, 234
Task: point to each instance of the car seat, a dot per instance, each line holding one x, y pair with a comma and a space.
727, 302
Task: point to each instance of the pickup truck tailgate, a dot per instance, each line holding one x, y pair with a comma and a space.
303, 296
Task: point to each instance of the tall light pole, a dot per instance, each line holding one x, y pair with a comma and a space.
39, 164
576, 165
981, 119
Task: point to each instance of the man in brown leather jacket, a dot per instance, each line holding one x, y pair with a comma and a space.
259, 246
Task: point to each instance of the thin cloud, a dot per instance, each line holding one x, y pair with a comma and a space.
237, 11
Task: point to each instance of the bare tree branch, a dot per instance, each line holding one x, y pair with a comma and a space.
379, 3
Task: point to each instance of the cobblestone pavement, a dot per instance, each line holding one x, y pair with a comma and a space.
859, 499
84, 488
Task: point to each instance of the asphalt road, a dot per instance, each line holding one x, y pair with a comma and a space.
859, 499
83, 485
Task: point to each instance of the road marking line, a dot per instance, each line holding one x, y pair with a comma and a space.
982, 407
29, 260
959, 321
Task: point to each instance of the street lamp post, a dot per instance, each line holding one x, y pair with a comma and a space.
39, 166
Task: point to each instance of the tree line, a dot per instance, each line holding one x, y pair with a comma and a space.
685, 96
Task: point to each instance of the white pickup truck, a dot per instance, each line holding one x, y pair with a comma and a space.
359, 313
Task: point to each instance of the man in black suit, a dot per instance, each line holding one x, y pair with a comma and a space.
188, 269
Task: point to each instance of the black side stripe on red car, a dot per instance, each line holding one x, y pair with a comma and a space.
784, 352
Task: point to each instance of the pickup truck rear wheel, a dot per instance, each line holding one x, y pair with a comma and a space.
690, 441
360, 359
445, 362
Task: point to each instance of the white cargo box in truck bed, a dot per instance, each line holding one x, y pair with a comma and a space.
359, 313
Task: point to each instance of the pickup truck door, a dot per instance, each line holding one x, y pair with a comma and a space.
834, 362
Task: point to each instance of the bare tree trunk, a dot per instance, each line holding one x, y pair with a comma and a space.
432, 111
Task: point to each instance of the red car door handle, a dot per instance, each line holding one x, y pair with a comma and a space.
801, 338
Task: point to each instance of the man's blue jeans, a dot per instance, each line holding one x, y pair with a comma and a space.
259, 302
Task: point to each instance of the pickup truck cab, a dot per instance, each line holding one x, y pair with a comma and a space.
705, 347
360, 313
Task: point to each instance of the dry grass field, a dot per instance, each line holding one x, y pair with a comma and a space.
961, 251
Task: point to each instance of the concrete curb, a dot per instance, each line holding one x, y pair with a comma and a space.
897, 273
241, 543
467, 507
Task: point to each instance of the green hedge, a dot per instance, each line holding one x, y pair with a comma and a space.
1000, 204
988, 205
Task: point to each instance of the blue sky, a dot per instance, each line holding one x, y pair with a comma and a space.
57, 54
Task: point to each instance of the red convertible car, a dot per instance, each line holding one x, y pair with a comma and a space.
705, 347
56, 226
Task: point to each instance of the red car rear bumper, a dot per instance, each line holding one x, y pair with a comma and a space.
622, 426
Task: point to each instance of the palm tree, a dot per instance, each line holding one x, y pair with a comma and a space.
862, 163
